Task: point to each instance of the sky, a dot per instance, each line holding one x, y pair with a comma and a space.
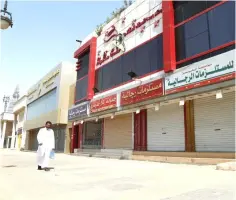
43, 35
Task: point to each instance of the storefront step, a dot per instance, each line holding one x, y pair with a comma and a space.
182, 160
107, 156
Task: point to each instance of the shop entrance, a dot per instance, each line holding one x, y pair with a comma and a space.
92, 135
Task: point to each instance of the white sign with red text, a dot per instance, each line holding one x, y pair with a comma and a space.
139, 23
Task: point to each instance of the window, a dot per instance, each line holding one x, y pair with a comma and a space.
127, 65
81, 88
210, 30
186, 9
43, 105
142, 60
156, 54
112, 74
208, 55
222, 24
84, 66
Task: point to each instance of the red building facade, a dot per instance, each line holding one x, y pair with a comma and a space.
148, 76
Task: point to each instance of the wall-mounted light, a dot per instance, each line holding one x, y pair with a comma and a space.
132, 74
79, 41
138, 111
96, 119
82, 121
112, 116
219, 94
157, 107
181, 102
95, 90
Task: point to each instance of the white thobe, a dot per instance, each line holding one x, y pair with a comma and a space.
46, 138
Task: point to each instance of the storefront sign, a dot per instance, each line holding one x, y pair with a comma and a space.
209, 71
103, 104
78, 111
132, 27
43, 86
142, 93
49, 80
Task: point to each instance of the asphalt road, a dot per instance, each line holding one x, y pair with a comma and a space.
107, 179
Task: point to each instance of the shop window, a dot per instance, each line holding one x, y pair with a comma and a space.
112, 74
222, 24
196, 36
156, 54
127, 65
187, 9
81, 88
84, 66
208, 55
180, 43
45, 104
210, 30
197, 44
142, 60
196, 26
99, 79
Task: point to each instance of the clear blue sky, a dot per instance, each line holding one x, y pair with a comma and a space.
44, 34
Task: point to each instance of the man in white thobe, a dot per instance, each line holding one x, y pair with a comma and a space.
46, 142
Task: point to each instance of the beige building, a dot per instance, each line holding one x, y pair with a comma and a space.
69, 124
48, 100
19, 111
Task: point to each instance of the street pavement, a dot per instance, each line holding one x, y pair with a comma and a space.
109, 179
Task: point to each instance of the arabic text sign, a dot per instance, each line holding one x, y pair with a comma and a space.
103, 104
142, 93
196, 73
78, 111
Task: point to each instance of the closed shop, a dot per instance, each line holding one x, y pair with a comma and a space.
215, 123
165, 129
118, 132
91, 138
59, 133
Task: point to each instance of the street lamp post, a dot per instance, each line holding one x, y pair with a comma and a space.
6, 18
6, 99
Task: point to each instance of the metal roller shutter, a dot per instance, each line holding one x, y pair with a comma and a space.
118, 132
165, 129
215, 123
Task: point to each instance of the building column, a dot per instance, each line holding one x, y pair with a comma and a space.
23, 140
140, 131
169, 54
22, 145
13, 136
72, 138
189, 126
26, 144
3, 134
80, 135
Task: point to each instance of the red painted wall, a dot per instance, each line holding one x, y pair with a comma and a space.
169, 53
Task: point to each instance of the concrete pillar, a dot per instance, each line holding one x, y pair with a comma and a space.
26, 144
13, 135
3, 134
24, 132
23, 140
8, 140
